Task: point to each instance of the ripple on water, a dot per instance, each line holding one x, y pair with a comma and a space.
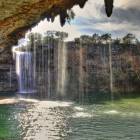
46, 120
55, 120
112, 112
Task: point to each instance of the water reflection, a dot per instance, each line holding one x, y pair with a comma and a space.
54, 120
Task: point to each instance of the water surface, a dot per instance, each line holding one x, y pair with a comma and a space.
56, 120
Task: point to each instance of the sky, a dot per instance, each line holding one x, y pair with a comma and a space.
92, 19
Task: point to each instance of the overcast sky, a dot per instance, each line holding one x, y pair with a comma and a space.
92, 19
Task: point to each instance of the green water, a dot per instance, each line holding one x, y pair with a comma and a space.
51, 120
9, 123
119, 120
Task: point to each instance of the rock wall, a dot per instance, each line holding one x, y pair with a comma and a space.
92, 75
8, 80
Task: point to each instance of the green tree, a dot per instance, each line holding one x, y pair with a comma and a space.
35, 39
105, 38
130, 39
61, 35
95, 38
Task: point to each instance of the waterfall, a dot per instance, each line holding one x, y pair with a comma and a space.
62, 65
41, 66
10, 76
24, 70
81, 74
111, 71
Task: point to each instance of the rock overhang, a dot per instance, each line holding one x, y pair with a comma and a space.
19, 16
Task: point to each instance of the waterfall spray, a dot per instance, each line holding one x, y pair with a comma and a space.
24, 68
36, 65
111, 72
62, 63
81, 75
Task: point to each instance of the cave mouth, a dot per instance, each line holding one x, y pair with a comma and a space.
51, 46
13, 28
79, 81
77, 16
32, 13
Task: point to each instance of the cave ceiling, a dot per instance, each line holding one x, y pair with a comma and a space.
18, 16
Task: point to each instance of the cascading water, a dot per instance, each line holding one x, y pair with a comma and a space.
41, 65
51, 66
81, 75
111, 71
24, 70
62, 63
10, 77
